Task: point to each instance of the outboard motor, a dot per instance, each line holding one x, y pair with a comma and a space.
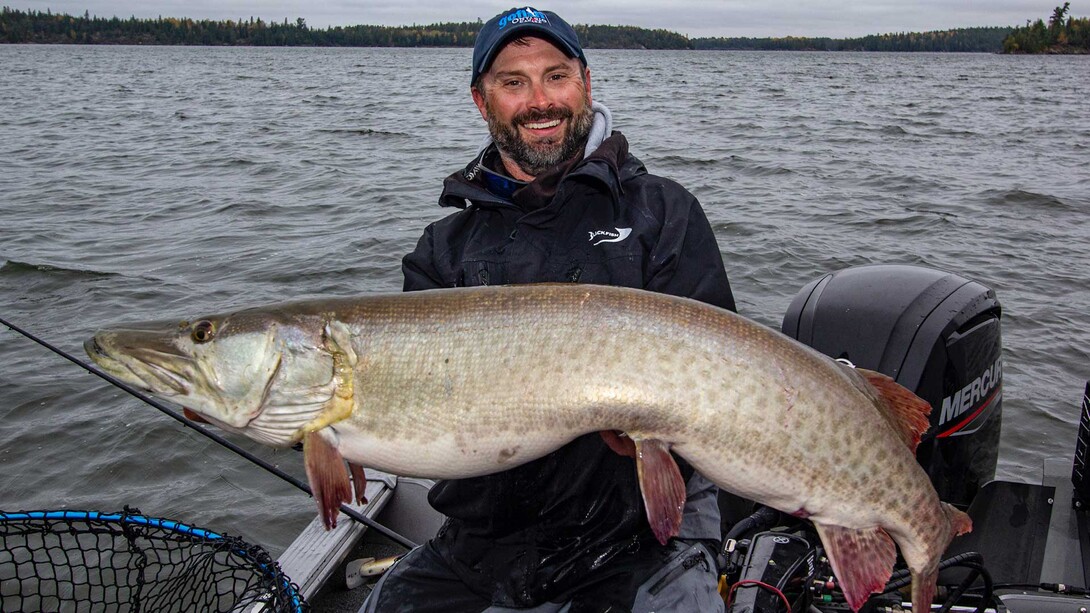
935, 333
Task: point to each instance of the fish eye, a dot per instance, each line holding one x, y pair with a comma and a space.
203, 331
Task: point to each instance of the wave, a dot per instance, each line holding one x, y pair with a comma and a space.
944, 131
361, 132
1024, 198
15, 268
754, 169
923, 220
688, 161
893, 130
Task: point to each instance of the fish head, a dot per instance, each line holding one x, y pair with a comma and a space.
242, 371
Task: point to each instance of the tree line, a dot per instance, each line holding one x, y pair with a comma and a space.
962, 39
1063, 34
47, 27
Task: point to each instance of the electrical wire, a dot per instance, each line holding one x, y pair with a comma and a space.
775, 590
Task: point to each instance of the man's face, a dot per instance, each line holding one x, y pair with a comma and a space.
536, 101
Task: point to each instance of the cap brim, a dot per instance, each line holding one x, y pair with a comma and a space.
521, 32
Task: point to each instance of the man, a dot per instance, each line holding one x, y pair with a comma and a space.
554, 196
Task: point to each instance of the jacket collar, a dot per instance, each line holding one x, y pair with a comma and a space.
609, 165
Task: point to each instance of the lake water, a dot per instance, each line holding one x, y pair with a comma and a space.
140, 183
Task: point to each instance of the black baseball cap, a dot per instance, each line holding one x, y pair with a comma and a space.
517, 22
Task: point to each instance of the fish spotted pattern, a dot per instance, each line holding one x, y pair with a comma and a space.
406, 383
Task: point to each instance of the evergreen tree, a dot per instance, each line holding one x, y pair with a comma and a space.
1063, 34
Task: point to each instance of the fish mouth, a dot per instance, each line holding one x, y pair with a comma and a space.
144, 368
104, 360
95, 350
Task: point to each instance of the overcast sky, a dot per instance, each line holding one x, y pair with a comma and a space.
835, 18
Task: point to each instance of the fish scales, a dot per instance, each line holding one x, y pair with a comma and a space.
550, 387
465, 382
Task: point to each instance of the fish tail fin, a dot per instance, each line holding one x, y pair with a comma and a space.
924, 581
862, 560
923, 589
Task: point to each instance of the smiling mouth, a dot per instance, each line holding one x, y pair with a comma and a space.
542, 125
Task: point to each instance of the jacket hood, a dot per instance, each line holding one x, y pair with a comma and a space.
606, 160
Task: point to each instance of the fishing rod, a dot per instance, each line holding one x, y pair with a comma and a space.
347, 510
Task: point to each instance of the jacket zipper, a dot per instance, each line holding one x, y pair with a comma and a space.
677, 571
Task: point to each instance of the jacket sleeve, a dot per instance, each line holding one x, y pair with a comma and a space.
419, 266
686, 260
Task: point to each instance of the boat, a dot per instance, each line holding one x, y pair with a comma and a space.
935, 332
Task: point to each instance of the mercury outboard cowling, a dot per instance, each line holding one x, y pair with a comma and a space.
935, 333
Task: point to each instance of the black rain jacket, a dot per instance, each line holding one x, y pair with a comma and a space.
572, 521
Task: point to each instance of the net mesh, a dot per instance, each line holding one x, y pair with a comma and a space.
76, 561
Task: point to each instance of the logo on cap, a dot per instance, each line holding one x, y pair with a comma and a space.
526, 15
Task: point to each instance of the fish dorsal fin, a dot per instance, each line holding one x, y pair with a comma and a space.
906, 412
661, 485
862, 560
328, 478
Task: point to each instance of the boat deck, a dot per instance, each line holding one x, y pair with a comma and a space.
316, 560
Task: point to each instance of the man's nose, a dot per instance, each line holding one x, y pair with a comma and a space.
539, 96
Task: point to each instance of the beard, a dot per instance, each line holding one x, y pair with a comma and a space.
536, 158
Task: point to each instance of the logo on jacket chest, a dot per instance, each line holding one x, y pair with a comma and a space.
597, 237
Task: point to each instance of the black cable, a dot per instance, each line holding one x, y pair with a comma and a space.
758, 520
903, 577
975, 570
347, 510
1057, 588
898, 580
972, 560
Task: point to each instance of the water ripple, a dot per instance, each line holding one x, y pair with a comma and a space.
142, 183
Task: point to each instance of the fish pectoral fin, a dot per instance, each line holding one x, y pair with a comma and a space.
328, 478
862, 560
906, 411
661, 485
359, 482
619, 442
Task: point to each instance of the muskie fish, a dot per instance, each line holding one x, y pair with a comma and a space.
407, 383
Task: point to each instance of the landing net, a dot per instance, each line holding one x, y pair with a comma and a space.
84, 561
